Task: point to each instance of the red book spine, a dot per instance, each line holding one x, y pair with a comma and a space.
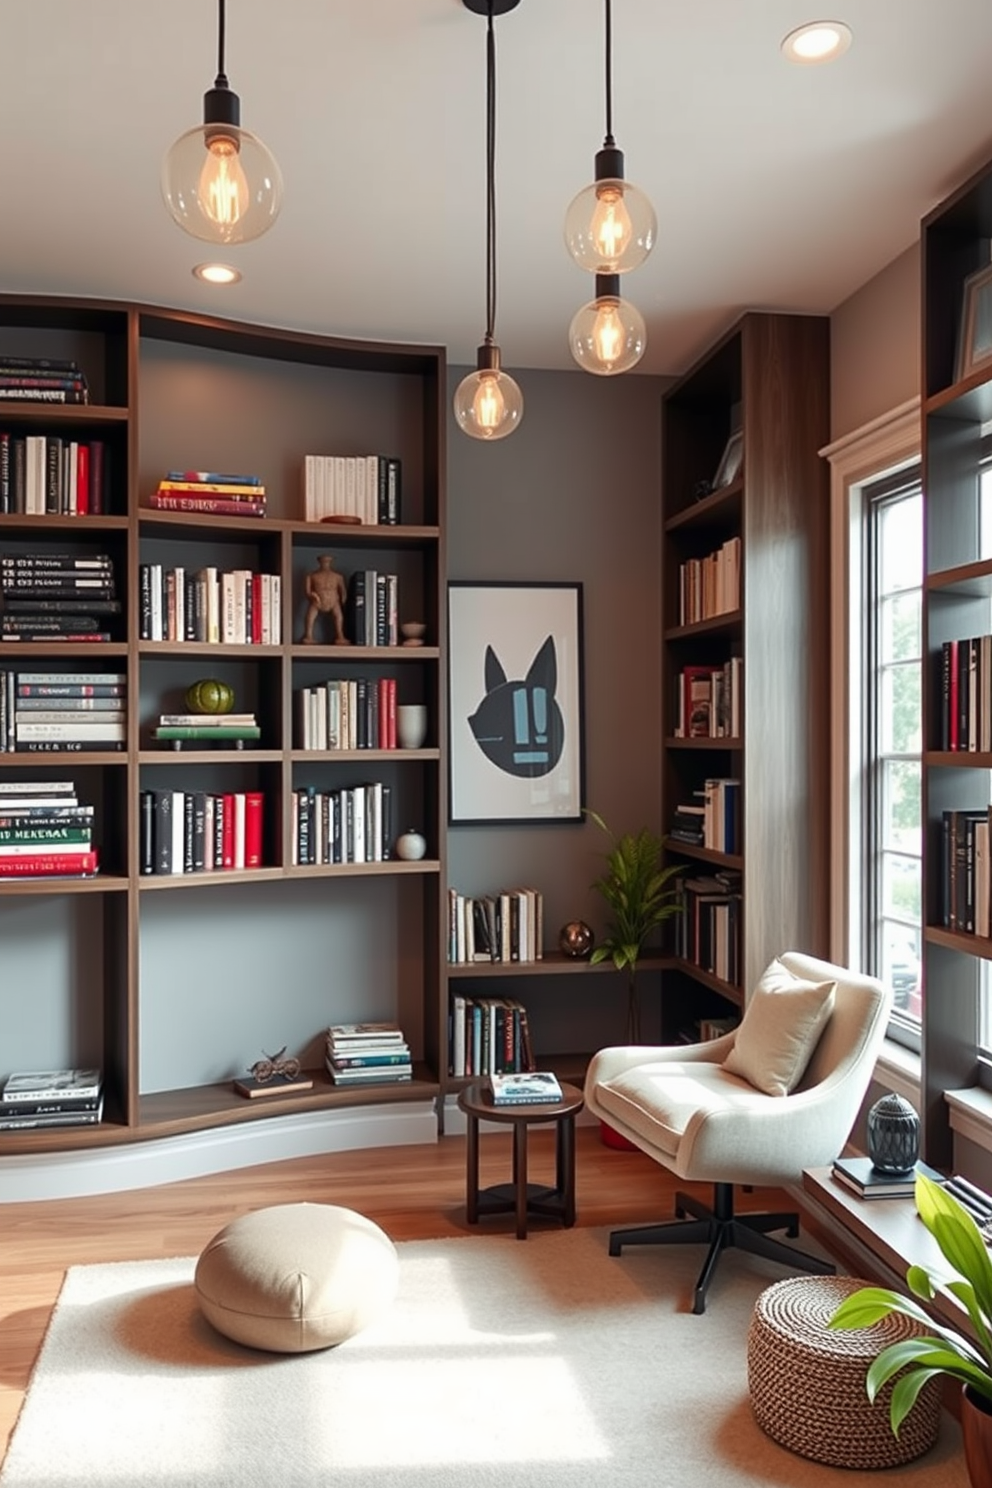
253, 829
47, 865
83, 480
391, 713
218, 505
952, 718
227, 837
382, 691
256, 609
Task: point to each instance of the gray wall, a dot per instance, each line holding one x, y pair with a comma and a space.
875, 346
573, 495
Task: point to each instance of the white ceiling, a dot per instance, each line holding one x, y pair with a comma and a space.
776, 186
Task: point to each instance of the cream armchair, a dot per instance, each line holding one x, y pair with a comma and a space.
778, 1094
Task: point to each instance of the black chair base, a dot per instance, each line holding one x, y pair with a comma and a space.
722, 1229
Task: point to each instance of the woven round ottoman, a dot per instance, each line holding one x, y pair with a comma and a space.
807, 1381
296, 1277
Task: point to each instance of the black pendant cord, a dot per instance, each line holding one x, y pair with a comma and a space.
490, 179
609, 140
221, 80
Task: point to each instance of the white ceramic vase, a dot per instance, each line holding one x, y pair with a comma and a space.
411, 846
411, 725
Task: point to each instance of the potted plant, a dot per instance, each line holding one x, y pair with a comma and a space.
941, 1349
641, 894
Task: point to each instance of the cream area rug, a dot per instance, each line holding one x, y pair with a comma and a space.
542, 1363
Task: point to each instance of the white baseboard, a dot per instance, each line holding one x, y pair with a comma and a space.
65, 1175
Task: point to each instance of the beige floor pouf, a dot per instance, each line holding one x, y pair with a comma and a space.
807, 1381
296, 1277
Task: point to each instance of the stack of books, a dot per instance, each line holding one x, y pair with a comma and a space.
48, 596
66, 1097
368, 1054
537, 1088
207, 728
44, 831
67, 704
218, 492
25, 379
861, 1176
44, 473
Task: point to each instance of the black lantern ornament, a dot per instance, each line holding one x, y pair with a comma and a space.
893, 1135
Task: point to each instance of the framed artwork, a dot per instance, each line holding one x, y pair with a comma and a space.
975, 335
515, 702
729, 467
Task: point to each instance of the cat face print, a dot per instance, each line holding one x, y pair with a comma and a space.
518, 725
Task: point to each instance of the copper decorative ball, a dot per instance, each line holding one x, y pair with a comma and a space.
576, 940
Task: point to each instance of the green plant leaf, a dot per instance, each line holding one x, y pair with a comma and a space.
905, 1393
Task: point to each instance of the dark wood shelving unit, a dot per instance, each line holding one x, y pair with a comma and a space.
767, 377
955, 242
171, 388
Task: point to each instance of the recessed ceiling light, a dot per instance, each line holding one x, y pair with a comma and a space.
817, 41
217, 273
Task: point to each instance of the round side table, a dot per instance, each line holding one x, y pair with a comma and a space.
519, 1196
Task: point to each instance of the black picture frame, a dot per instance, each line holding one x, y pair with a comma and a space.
731, 460
974, 347
515, 703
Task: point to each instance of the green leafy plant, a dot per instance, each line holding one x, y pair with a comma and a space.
941, 1350
641, 895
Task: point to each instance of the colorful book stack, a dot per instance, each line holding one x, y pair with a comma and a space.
25, 379
40, 1098
229, 607
352, 488
200, 832
489, 1035
198, 729
50, 596
367, 1054
61, 712
44, 831
217, 492
358, 713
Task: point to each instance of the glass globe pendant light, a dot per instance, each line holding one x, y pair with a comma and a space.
610, 226
488, 404
219, 181
608, 335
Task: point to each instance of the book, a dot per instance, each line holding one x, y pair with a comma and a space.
534, 1087
53, 1106
50, 865
393, 1075
51, 1118
222, 506
214, 488
278, 1085
205, 720
207, 731
60, 1084
371, 1060
861, 1176
214, 477
340, 1034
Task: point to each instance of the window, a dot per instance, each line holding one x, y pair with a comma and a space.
892, 727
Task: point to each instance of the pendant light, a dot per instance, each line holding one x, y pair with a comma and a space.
220, 182
608, 335
488, 404
610, 226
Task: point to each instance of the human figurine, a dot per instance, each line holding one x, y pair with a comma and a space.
327, 591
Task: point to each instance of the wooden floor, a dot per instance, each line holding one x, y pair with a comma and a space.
412, 1192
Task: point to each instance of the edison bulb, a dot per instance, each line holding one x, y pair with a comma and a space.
488, 404
607, 336
610, 227
222, 184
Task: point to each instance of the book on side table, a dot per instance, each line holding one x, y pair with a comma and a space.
536, 1087
861, 1176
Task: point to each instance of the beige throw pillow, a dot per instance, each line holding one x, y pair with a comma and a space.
782, 1023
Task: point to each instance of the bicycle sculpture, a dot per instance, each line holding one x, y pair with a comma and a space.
274, 1066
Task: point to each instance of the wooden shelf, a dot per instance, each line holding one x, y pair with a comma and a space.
554, 963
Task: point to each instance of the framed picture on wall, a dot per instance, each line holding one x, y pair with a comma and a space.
975, 335
515, 702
